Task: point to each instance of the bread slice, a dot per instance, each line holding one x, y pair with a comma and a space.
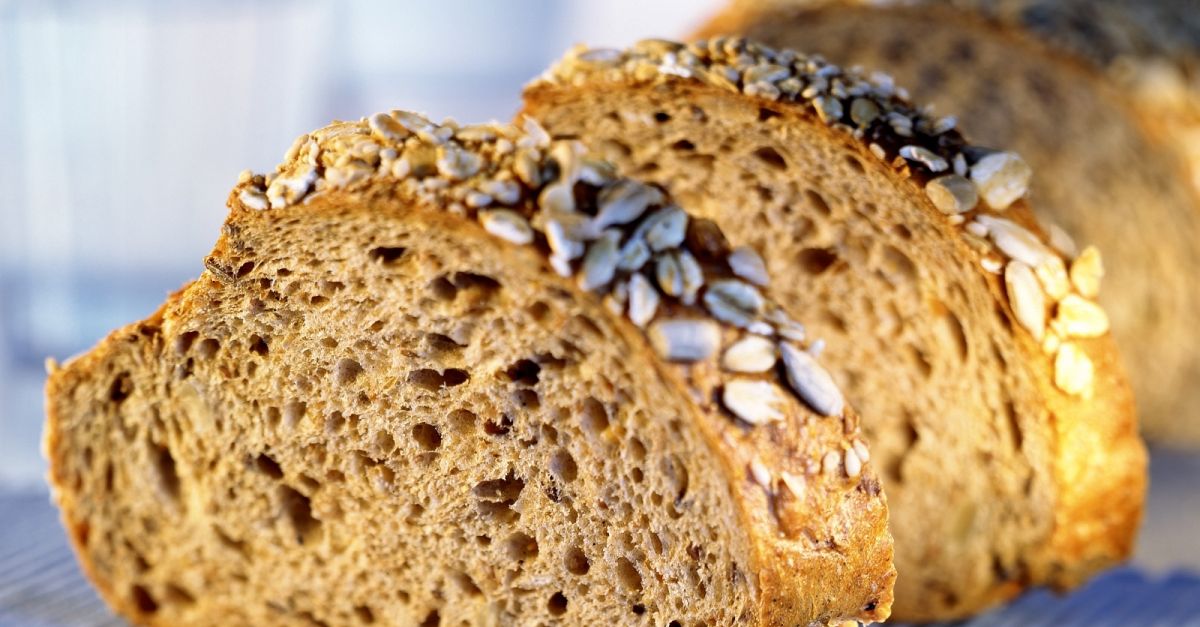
1005, 433
413, 388
1103, 98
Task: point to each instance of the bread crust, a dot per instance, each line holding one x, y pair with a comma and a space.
793, 581
1099, 461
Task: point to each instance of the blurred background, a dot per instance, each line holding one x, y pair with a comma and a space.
124, 123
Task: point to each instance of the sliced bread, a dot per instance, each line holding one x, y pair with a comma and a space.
990, 389
1103, 98
453, 375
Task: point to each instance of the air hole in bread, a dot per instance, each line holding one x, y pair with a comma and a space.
1017, 436
628, 575
816, 260
385, 254
208, 348
899, 265
443, 289
142, 599
526, 399
593, 416
483, 284
298, 510
500, 426
293, 413
184, 341
245, 268
440, 344
432, 619
364, 614
662, 117
163, 465
557, 605
268, 466
521, 547
121, 388
683, 145
258, 345
562, 466
524, 371
771, 158
817, 202
426, 436
176, 595
335, 422
346, 371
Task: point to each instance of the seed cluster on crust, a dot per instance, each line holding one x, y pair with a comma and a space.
971, 186
674, 276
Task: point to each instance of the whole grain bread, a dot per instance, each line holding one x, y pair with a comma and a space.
442, 375
1102, 97
1004, 432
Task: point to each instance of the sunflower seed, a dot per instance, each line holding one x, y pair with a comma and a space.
748, 264
831, 463
669, 275
1051, 343
643, 300
1073, 370
684, 339
762, 90
254, 199
457, 164
976, 228
829, 109
784, 325
795, 484
1061, 240
477, 200
853, 464
734, 302
992, 264
924, 156
944, 125
600, 56
1052, 274
535, 134
1079, 317
664, 228
1002, 177
508, 225
624, 201
752, 353
561, 265
557, 197
952, 194
693, 276
288, 190
560, 243
760, 473
566, 154
504, 192
596, 173
600, 261
526, 167
387, 128
1087, 272
1026, 298
1015, 241
860, 449
863, 111
634, 254
752, 400
960, 165
810, 381
765, 73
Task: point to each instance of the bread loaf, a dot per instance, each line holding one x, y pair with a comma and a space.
990, 389
443, 375
1103, 98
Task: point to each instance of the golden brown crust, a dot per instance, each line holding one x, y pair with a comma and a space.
1097, 458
